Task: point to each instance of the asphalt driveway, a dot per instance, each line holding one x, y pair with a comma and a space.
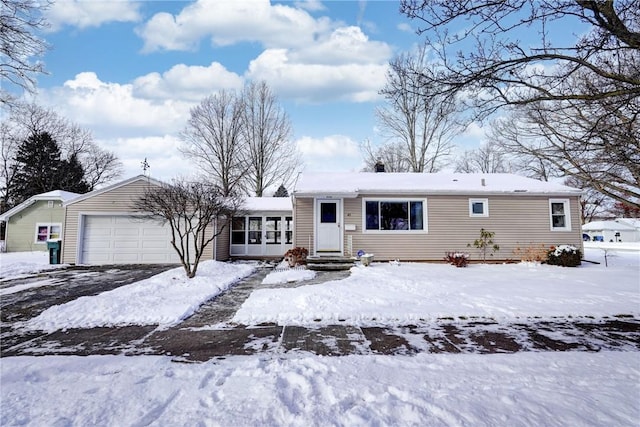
209, 333
56, 287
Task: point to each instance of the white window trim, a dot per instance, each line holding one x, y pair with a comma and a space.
485, 208
567, 215
241, 249
425, 222
48, 225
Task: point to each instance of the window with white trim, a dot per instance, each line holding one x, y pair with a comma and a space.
478, 207
46, 232
394, 215
559, 214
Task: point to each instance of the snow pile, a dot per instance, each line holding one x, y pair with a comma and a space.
16, 264
411, 292
163, 300
288, 275
523, 389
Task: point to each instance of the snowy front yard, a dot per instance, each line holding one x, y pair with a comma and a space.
528, 388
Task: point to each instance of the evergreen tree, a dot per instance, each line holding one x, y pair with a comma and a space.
41, 169
281, 192
72, 176
38, 160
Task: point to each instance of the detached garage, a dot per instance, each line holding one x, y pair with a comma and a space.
101, 228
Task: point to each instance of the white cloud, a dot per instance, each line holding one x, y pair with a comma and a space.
84, 14
474, 130
330, 153
306, 59
312, 5
405, 28
162, 154
230, 22
329, 146
345, 45
107, 108
186, 82
318, 82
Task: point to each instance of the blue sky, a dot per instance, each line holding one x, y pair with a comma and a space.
130, 71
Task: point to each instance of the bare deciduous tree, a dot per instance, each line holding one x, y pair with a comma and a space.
480, 53
576, 103
390, 154
592, 202
416, 118
20, 20
197, 213
488, 158
100, 166
270, 154
212, 138
9, 148
599, 148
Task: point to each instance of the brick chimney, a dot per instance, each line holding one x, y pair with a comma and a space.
379, 166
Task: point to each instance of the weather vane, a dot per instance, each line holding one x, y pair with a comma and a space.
145, 166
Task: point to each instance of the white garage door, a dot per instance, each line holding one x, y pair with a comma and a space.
124, 240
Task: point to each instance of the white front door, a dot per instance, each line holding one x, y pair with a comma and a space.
328, 227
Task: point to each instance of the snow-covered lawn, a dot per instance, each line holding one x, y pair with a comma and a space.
298, 389
17, 264
410, 292
523, 389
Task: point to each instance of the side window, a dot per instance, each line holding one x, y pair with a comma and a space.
559, 215
45, 232
255, 230
478, 207
238, 236
273, 230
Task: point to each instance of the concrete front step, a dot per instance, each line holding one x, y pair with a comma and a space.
330, 266
329, 259
330, 263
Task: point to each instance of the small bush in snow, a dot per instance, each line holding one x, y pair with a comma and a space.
484, 243
296, 256
564, 255
459, 259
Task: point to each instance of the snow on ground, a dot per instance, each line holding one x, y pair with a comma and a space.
164, 299
522, 389
283, 275
409, 292
381, 293
298, 389
17, 264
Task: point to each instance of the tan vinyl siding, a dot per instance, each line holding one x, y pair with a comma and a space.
517, 221
303, 223
21, 227
117, 201
222, 242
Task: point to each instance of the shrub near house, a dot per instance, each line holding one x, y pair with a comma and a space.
564, 255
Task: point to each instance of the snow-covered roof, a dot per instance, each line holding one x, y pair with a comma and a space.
61, 195
634, 222
424, 183
256, 204
608, 225
56, 195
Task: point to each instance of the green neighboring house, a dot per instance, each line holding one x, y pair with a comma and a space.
34, 221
